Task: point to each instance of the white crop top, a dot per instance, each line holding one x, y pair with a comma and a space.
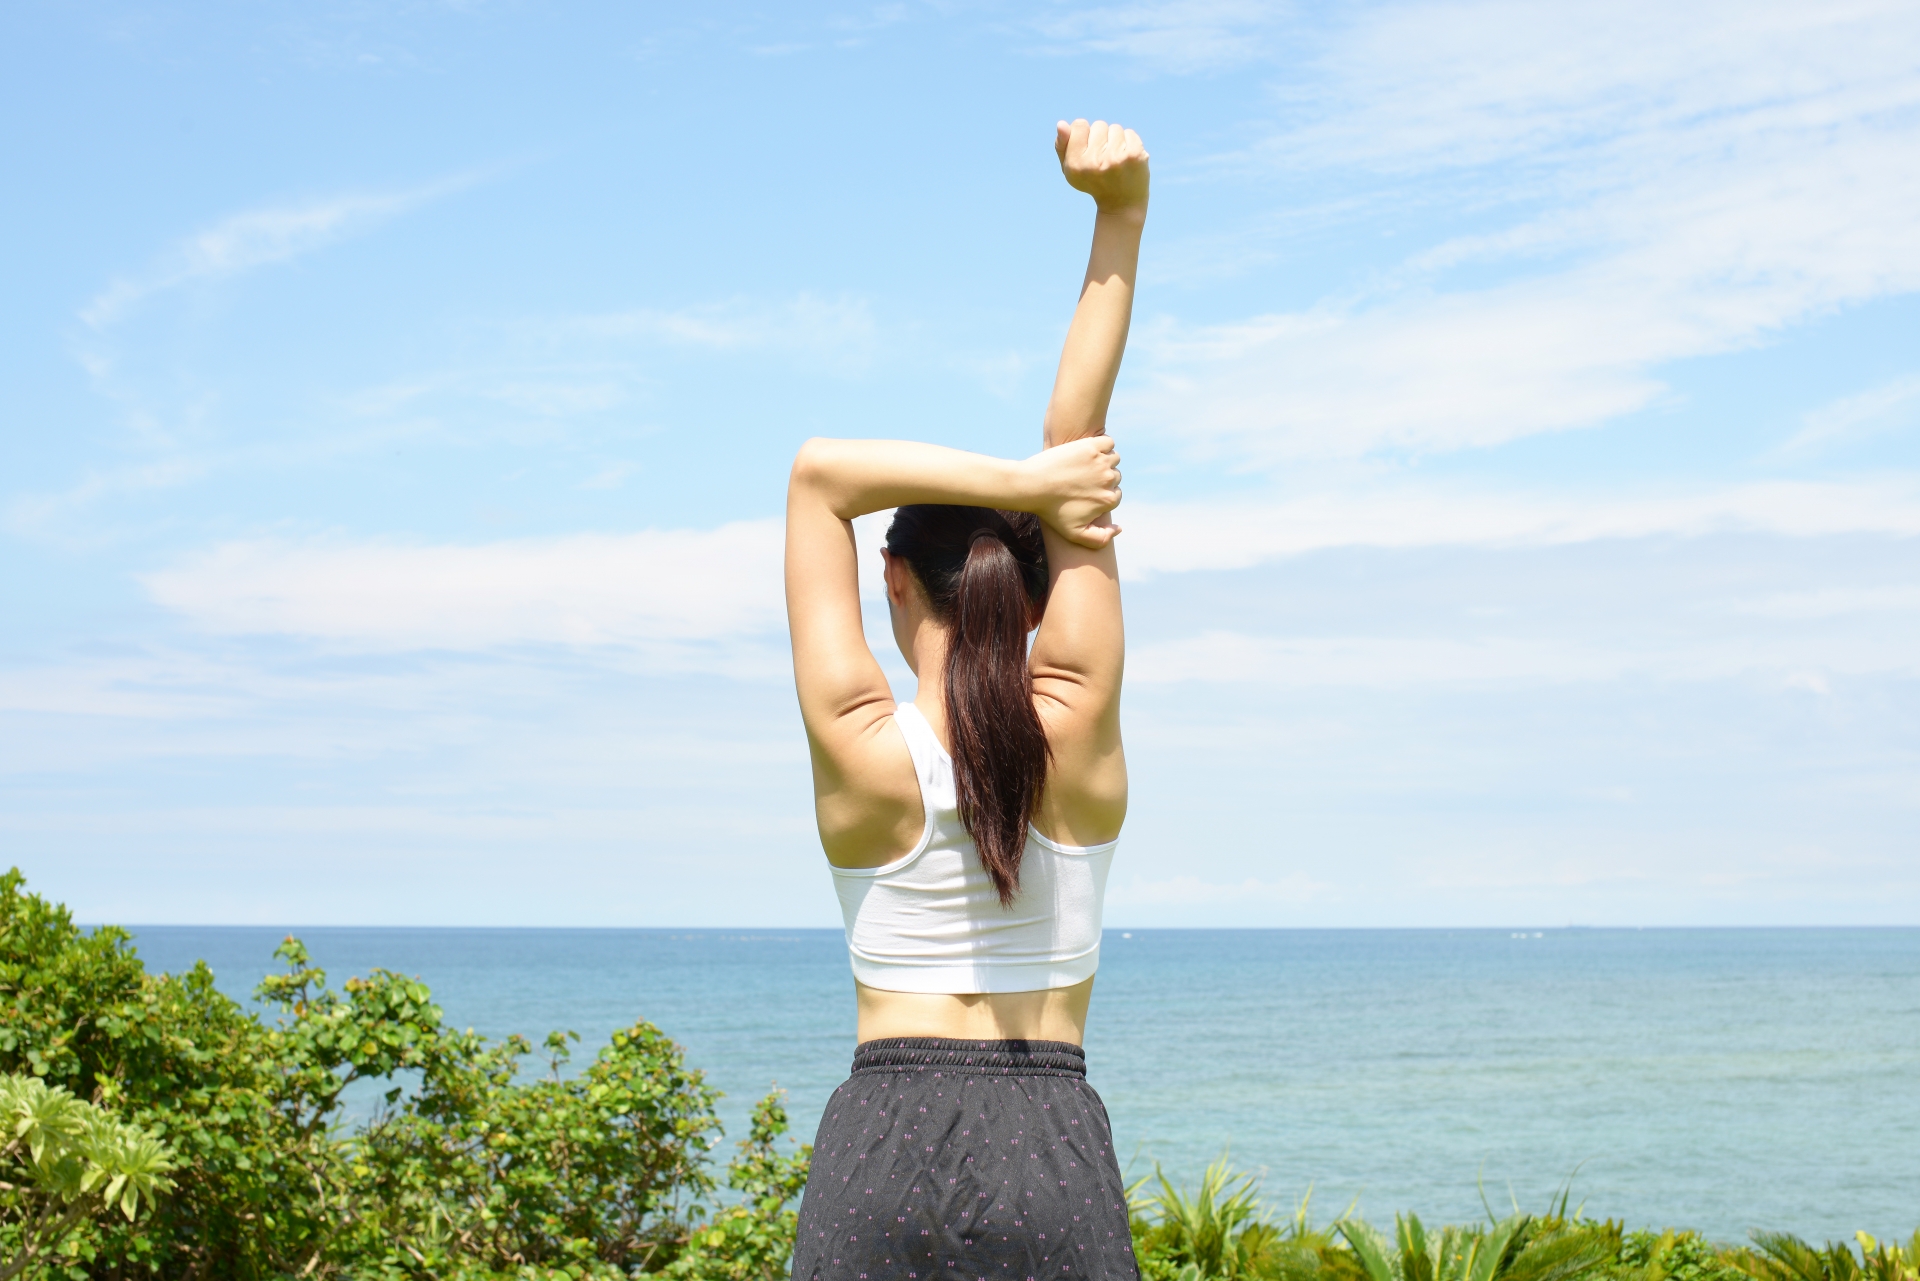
932, 922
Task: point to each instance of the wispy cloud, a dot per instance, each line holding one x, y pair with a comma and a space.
1192, 891
1178, 35
1686, 181
1835, 602
1496, 661
1422, 87
704, 599
839, 331
1235, 534
1889, 407
35, 515
257, 237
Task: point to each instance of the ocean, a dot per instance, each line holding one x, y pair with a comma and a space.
1720, 1079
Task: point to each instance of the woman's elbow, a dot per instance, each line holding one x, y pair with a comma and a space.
807, 462
813, 465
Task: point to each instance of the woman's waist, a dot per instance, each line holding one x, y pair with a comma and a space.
1001, 1056
1050, 1014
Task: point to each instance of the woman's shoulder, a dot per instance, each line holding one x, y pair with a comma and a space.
867, 799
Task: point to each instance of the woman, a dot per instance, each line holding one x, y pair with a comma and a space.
969, 831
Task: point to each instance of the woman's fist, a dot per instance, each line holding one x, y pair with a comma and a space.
1106, 161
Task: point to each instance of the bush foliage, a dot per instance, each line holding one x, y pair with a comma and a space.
477, 1171
155, 1128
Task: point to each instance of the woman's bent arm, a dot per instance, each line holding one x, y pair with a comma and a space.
1070, 488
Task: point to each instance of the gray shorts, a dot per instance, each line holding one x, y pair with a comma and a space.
945, 1160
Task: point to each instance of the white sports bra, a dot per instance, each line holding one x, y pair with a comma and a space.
932, 921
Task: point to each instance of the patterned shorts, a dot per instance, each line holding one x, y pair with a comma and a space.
948, 1160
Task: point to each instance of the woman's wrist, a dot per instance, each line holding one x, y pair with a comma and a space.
1027, 485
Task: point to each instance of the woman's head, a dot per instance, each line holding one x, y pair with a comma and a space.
984, 573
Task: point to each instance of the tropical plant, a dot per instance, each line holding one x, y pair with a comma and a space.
65, 1160
1889, 1262
1781, 1256
1520, 1247
1220, 1230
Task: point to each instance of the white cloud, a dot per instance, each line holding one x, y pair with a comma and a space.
1181, 35
1432, 662
1236, 534
1191, 891
612, 476
255, 238
839, 331
1373, 661
1700, 178
1887, 407
1425, 86
1836, 602
700, 598
37, 514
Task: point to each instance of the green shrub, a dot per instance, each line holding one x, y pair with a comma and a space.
1675, 1255
751, 1241
476, 1173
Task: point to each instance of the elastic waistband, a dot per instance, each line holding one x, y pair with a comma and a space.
986, 1058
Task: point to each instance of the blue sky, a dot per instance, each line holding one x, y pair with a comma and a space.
1520, 424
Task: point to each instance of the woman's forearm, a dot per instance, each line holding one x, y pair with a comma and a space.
1109, 163
1097, 339
855, 477
1071, 487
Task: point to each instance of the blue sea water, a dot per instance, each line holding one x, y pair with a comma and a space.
1716, 1079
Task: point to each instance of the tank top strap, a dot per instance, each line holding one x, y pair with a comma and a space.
931, 765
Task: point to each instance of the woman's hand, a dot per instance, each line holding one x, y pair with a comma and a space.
1073, 486
1105, 161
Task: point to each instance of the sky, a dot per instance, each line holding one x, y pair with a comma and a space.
1521, 424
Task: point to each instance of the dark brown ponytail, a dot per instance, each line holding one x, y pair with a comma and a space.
985, 575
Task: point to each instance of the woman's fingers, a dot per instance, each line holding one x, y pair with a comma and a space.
1094, 144
1098, 536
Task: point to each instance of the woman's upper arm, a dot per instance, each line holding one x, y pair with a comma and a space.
864, 788
1077, 661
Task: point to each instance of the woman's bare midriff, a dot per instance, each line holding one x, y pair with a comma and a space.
1059, 1014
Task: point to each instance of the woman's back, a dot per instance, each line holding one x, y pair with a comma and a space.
932, 920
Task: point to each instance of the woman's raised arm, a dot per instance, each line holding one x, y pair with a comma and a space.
1110, 164
1078, 656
